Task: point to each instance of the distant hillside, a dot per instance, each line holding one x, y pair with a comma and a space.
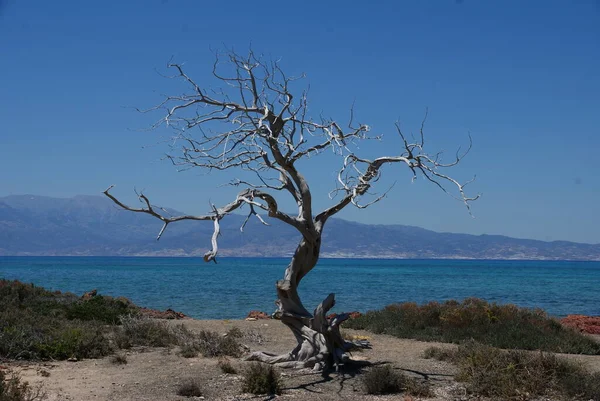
93, 225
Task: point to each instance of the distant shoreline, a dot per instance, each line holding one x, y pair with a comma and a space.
322, 257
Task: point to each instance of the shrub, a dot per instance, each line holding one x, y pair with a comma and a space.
384, 380
39, 337
119, 359
212, 344
190, 389
503, 326
254, 336
441, 354
188, 351
261, 379
226, 366
39, 324
37, 301
13, 389
517, 374
103, 309
144, 331
235, 332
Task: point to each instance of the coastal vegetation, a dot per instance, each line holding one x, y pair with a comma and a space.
504, 352
385, 380
517, 374
190, 388
502, 326
37, 324
261, 379
12, 388
226, 366
210, 345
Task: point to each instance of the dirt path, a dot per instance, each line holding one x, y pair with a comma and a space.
155, 374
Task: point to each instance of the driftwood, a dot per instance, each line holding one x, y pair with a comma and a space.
257, 125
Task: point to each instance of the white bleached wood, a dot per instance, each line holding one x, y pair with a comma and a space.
256, 124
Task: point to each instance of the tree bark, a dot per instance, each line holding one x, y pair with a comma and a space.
319, 342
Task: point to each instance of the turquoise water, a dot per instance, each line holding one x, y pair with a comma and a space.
233, 287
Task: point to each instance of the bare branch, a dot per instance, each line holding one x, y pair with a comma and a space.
247, 196
256, 124
212, 254
252, 212
355, 181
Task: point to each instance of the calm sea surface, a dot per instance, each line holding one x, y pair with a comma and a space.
233, 287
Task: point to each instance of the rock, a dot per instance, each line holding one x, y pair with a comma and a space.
156, 314
72, 359
255, 314
583, 323
89, 295
351, 315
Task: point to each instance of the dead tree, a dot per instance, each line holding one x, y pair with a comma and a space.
258, 125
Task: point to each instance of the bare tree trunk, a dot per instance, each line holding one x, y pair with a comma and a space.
319, 342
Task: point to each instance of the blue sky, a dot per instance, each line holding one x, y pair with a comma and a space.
522, 77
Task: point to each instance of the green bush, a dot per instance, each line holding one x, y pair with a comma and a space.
36, 337
522, 375
503, 326
103, 309
261, 379
145, 331
39, 324
29, 299
385, 380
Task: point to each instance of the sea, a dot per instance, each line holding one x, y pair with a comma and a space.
234, 286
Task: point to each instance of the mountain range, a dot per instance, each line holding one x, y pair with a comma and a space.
93, 226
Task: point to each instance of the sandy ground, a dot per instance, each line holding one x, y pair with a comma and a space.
155, 374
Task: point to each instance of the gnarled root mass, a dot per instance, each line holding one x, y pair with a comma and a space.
320, 344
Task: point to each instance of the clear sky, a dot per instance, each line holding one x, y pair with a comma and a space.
523, 77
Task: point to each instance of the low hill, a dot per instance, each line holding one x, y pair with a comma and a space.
93, 225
